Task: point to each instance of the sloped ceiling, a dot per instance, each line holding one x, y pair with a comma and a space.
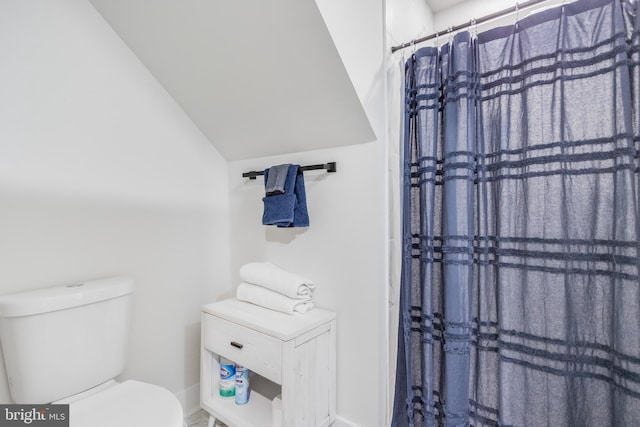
258, 77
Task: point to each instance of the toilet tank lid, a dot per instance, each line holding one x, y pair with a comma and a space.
64, 296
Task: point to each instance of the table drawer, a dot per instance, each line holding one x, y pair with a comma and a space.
258, 352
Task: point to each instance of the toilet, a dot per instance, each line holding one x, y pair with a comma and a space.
66, 345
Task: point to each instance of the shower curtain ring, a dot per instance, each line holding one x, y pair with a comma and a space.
517, 14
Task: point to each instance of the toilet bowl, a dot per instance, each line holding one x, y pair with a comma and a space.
128, 404
67, 344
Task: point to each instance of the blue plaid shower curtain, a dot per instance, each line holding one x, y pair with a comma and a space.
520, 293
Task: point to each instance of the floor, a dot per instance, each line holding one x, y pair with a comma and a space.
200, 419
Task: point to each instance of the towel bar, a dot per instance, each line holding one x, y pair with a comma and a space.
330, 167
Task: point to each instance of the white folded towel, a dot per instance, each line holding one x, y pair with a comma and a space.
273, 277
275, 301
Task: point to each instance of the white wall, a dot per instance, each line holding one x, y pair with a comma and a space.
473, 9
344, 249
407, 20
468, 10
101, 173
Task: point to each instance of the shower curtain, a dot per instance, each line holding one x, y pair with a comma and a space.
520, 287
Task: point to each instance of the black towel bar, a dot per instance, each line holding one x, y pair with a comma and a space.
330, 167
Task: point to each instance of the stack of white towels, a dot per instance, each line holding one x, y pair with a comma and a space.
270, 286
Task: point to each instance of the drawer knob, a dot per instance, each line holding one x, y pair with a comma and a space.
236, 344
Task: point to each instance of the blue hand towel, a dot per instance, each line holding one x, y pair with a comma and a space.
290, 208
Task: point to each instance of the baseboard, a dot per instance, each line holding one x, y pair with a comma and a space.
189, 399
343, 422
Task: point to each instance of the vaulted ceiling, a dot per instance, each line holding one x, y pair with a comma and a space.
258, 78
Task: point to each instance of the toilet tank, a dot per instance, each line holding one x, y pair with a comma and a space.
62, 340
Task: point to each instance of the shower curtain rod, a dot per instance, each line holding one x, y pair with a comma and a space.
519, 6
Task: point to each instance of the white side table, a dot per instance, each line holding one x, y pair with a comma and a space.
289, 355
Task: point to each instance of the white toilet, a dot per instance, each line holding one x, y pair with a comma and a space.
66, 344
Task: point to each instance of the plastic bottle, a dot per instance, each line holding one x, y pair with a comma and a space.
227, 378
242, 385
